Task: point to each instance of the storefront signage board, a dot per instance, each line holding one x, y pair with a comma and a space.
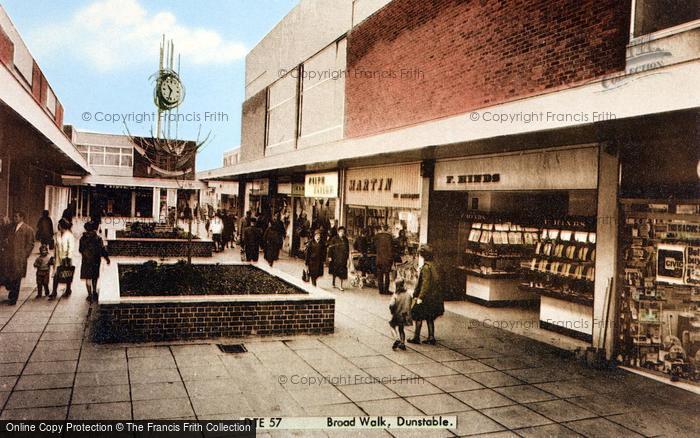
390, 186
555, 169
321, 185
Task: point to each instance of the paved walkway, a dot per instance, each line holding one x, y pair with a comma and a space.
495, 382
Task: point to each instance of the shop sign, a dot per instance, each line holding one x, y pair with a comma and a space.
297, 190
390, 186
670, 263
556, 169
321, 185
260, 187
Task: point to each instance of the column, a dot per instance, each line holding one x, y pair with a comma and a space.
155, 204
426, 183
133, 203
606, 249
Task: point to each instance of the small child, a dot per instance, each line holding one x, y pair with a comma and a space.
400, 307
43, 265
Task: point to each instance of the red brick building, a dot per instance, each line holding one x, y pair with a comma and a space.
534, 144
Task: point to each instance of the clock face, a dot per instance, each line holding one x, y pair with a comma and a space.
170, 90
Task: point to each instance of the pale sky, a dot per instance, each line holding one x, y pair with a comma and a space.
98, 56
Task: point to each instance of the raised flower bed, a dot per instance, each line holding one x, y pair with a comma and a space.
139, 303
149, 240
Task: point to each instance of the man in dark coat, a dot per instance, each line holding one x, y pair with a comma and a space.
252, 239
20, 246
315, 257
339, 252
44, 229
383, 242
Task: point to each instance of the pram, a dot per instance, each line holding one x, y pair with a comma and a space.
364, 270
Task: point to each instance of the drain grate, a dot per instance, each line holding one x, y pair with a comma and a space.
232, 348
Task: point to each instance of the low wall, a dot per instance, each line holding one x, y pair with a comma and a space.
151, 319
140, 247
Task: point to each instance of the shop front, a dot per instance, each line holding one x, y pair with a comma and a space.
386, 195
523, 232
658, 318
315, 205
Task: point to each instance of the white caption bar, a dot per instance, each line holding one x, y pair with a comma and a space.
380, 422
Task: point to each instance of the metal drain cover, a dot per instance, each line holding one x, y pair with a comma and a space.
232, 348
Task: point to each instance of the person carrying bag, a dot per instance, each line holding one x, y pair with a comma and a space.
63, 255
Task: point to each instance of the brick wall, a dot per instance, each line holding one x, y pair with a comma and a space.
461, 55
158, 248
7, 49
253, 127
183, 321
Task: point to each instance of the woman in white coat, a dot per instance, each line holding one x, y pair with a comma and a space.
63, 255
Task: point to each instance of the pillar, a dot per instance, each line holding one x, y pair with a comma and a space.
606, 249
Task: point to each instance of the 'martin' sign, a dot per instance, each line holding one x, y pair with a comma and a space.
370, 185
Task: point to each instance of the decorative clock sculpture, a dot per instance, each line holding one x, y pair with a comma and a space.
169, 91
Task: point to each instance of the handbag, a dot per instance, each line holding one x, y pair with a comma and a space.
65, 272
305, 276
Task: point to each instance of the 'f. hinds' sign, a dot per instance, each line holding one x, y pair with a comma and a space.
370, 185
478, 178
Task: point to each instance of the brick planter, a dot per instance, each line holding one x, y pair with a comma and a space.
141, 247
150, 319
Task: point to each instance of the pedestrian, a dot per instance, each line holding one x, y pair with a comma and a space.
252, 240
244, 223
69, 213
383, 242
43, 265
272, 243
339, 253
315, 257
227, 232
63, 256
217, 226
93, 250
400, 307
20, 246
44, 230
428, 304
6, 230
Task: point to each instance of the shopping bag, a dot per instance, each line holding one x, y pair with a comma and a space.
305, 276
64, 274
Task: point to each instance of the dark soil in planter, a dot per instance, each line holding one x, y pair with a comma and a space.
152, 279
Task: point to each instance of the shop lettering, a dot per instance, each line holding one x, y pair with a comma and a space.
471, 179
370, 185
673, 265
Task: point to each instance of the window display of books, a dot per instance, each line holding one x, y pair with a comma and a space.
495, 248
562, 265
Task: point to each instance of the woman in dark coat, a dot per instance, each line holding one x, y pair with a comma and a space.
339, 252
315, 257
44, 229
92, 250
428, 297
272, 243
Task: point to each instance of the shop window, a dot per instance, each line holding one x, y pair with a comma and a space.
144, 203
659, 315
654, 15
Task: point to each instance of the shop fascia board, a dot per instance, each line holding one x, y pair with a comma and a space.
92, 180
14, 95
665, 89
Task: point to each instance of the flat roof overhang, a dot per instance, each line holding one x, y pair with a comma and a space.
623, 101
17, 99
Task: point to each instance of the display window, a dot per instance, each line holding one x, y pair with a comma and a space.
659, 293
404, 224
